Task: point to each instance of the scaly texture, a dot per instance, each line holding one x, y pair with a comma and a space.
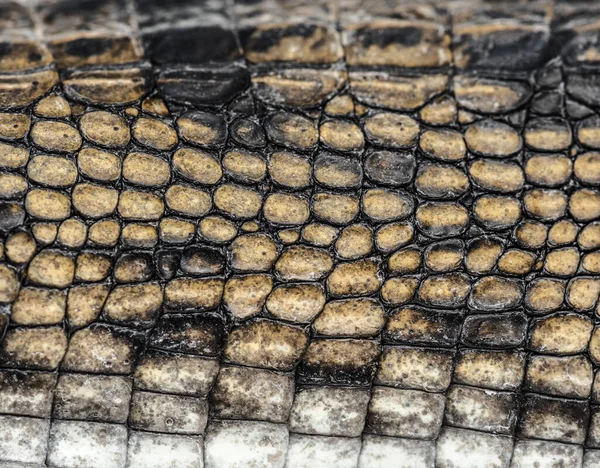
285, 234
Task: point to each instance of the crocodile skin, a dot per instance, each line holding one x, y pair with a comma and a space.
276, 233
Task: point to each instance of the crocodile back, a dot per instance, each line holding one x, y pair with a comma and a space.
275, 233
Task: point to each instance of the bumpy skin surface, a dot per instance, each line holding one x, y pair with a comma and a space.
286, 234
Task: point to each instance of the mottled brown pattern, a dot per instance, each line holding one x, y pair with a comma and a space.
290, 234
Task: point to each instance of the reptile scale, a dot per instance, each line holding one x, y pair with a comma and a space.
299, 234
